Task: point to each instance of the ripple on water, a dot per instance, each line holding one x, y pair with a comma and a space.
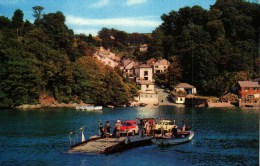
222, 137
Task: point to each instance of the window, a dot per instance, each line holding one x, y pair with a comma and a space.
180, 99
147, 86
145, 78
145, 73
255, 89
246, 89
156, 67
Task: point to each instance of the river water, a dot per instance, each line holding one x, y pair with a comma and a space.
40, 137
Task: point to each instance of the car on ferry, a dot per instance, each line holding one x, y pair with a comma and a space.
130, 127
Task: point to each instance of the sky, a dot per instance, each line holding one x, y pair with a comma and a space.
90, 16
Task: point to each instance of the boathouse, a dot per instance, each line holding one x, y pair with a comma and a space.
248, 89
189, 89
178, 99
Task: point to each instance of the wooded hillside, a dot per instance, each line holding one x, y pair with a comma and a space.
47, 59
210, 49
214, 48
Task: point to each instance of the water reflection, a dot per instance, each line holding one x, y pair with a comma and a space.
39, 137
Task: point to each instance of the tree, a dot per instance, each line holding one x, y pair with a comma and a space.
19, 77
99, 84
157, 42
37, 10
4, 22
174, 71
17, 20
210, 44
53, 24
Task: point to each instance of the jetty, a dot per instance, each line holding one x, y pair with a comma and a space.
100, 145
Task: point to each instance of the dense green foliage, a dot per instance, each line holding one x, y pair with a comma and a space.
47, 59
103, 87
124, 44
214, 48
211, 49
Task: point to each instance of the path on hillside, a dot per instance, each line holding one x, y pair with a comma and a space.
162, 96
165, 97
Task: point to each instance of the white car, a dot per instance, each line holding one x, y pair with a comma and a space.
165, 125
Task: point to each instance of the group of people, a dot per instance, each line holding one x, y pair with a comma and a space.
145, 127
105, 131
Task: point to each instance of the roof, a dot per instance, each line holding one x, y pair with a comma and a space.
144, 66
165, 120
129, 66
136, 64
145, 82
147, 92
126, 62
151, 60
162, 62
257, 79
144, 45
248, 84
184, 85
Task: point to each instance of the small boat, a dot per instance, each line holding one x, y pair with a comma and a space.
89, 108
110, 106
182, 137
156, 104
142, 104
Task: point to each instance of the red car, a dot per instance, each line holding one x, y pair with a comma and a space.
129, 126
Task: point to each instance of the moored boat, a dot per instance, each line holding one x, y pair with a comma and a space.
142, 104
89, 108
181, 137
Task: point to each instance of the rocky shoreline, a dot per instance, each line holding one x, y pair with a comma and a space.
56, 105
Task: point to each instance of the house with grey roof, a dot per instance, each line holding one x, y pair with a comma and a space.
185, 87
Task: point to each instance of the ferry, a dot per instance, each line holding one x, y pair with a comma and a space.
164, 132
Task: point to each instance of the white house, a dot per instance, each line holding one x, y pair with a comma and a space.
180, 91
161, 66
143, 48
144, 72
189, 89
147, 94
178, 96
178, 99
107, 57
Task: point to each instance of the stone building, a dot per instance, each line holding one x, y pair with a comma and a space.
144, 78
